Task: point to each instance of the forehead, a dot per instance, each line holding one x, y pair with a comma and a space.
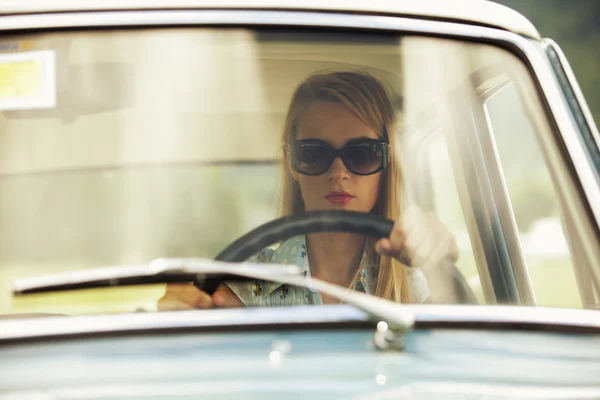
332, 122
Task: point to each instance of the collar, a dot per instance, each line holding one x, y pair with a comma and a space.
293, 252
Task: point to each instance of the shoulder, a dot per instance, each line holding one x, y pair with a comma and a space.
290, 251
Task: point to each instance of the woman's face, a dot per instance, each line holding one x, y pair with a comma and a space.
338, 188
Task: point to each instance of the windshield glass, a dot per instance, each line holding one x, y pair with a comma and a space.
121, 147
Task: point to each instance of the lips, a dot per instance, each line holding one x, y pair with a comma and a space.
339, 197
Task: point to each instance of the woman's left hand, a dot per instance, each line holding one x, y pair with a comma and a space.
419, 239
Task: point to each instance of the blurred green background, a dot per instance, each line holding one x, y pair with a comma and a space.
575, 26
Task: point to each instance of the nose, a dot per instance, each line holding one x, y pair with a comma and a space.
338, 170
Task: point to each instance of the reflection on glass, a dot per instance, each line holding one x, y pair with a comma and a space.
167, 143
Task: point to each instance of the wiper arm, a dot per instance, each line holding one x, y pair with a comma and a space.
167, 270
393, 317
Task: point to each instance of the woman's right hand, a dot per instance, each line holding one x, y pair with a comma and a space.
185, 296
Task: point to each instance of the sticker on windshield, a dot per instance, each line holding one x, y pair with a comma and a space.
27, 80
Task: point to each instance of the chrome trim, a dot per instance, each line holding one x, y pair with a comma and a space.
339, 19
252, 318
386, 339
297, 318
473, 152
575, 87
482, 14
538, 62
495, 89
507, 218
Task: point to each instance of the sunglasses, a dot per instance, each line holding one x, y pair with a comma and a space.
360, 156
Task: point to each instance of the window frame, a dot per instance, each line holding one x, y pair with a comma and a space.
571, 171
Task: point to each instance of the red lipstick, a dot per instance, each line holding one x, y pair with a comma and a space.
339, 197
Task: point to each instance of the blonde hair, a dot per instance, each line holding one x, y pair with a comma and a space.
365, 96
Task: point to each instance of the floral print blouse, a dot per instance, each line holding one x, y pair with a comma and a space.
293, 252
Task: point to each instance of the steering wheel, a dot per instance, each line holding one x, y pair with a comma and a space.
327, 221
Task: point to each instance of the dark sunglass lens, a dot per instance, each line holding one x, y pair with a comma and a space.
312, 159
363, 158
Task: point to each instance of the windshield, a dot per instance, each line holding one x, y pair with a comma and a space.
119, 147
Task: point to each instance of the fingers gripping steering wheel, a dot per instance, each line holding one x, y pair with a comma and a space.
322, 221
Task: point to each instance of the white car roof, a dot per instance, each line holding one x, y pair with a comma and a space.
477, 12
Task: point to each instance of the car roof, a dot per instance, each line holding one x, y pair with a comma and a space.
476, 12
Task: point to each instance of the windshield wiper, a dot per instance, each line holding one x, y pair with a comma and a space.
393, 317
393, 320
162, 270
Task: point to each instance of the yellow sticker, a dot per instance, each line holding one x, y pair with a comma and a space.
27, 80
20, 79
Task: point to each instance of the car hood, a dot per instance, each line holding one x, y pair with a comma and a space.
321, 352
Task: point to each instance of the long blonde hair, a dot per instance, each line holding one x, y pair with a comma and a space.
367, 98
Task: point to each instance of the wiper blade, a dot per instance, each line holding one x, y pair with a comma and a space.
169, 270
396, 318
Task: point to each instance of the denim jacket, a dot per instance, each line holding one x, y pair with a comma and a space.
293, 252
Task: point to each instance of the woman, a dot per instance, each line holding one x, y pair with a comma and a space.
337, 145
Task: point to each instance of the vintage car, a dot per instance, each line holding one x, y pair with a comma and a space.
140, 146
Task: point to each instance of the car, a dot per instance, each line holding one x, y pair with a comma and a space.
141, 146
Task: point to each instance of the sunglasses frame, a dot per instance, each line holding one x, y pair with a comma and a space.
385, 160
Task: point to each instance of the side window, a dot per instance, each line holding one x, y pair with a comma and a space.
534, 201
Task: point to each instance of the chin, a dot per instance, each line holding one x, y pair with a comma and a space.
328, 206
344, 207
